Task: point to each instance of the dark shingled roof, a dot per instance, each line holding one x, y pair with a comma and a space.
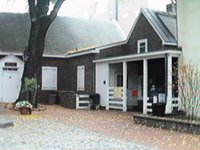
64, 34
164, 23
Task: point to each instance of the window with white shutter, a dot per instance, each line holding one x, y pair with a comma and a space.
49, 78
81, 78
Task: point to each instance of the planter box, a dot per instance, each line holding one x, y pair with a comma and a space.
167, 123
25, 110
158, 109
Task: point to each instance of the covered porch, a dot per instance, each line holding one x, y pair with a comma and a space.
130, 79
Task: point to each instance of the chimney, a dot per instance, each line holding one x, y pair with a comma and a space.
171, 8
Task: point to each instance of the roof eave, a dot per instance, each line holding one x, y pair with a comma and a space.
170, 43
149, 55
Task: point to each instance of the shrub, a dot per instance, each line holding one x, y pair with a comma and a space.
189, 89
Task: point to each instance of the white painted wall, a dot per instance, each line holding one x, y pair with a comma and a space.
188, 13
102, 82
20, 65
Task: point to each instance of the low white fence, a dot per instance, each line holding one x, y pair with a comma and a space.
175, 106
149, 106
82, 102
115, 100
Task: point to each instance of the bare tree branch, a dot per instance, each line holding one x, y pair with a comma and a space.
43, 7
55, 10
173, 1
32, 10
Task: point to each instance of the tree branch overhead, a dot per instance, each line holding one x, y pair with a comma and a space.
32, 10
55, 10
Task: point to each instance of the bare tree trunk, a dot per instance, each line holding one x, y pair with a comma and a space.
35, 52
40, 23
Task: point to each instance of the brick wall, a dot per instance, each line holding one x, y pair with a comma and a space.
67, 77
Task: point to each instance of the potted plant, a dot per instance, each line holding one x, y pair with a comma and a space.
25, 107
30, 88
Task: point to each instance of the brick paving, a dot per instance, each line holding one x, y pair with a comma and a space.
114, 125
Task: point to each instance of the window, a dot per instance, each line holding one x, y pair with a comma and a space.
142, 46
10, 64
119, 80
49, 78
81, 78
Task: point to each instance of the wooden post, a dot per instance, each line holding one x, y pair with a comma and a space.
124, 86
145, 85
169, 85
77, 101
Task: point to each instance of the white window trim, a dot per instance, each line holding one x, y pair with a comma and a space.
78, 78
142, 41
43, 80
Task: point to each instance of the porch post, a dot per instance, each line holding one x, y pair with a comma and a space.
145, 85
169, 85
124, 86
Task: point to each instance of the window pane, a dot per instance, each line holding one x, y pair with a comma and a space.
142, 44
10, 64
142, 49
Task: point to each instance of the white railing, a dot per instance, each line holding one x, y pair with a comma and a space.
149, 106
82, 102
115, 100
175, 106
175, 103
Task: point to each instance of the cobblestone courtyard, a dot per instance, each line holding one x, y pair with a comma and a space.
60, 128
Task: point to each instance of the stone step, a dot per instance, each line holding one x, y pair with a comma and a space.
6, 124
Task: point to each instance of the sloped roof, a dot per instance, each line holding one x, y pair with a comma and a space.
164, 23
64, 34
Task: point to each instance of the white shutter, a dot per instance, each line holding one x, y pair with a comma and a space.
81, 78
49, 78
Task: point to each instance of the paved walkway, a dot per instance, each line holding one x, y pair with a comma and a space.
34, 132
60, 128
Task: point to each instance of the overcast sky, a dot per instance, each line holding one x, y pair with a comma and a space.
80, 7
77, 8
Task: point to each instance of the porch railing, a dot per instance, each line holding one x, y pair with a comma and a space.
175, 103
149, 106
82, 102
115, 100
175, 106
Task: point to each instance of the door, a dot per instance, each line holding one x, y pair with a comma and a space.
10, 84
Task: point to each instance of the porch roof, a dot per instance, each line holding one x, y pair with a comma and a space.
136, 57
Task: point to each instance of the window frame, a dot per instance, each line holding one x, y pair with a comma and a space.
145, 41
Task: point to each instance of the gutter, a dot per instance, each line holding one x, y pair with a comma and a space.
150, 55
